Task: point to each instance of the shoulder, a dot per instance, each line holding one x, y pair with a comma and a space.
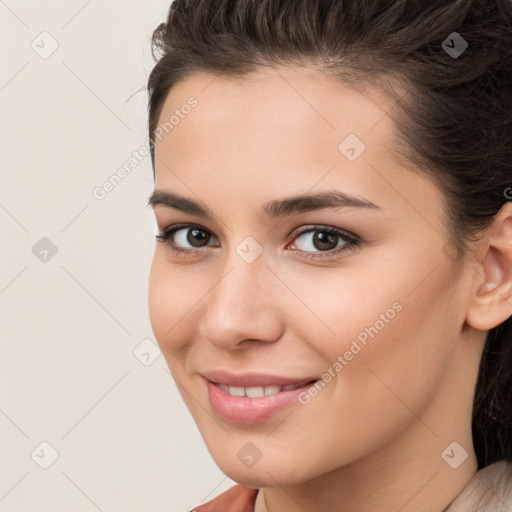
490, 490
235, 499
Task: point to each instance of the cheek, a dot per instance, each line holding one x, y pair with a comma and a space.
373, 328
167, 303
343, 305
177, 302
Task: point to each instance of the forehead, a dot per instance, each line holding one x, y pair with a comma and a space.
282, 129
286, 111
281, 98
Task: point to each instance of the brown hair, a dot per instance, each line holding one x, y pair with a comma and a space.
454, 119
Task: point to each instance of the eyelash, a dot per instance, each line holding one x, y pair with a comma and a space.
352, 241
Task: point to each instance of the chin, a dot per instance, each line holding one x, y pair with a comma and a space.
263, 473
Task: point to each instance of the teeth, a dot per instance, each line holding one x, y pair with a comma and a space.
257, 391
236, 391
291, 386
272, 390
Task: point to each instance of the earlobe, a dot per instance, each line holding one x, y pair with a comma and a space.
491, 303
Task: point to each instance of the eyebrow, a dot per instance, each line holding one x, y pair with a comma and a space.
272, 209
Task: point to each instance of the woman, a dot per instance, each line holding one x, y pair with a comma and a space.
332, 290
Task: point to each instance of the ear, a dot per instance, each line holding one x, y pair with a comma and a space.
491, 302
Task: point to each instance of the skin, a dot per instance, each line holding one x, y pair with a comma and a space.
372, 439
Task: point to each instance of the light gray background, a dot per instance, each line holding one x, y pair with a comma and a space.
73, 373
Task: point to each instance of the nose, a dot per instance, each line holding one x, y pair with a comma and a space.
244, 306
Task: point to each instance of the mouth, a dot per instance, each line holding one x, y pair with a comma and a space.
254, 404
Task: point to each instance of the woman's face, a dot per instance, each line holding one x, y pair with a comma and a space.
376, 321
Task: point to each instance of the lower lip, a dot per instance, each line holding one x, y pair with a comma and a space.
248, 410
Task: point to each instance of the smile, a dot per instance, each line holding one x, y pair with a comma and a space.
254, 404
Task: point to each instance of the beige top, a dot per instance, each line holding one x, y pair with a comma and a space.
488, 485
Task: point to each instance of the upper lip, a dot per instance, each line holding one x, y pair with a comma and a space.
251, 379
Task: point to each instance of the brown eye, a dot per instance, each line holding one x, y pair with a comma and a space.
177, 237
195, 235
324, 239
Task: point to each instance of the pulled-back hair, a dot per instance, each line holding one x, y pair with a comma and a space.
453, 113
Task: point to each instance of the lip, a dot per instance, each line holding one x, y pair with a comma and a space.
251, 379
246, 410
